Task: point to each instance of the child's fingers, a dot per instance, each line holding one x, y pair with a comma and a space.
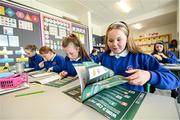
131, 71
63, 73
132, 77
135, 82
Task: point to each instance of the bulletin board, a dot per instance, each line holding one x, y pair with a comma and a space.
81, 31
54, 29
18, 27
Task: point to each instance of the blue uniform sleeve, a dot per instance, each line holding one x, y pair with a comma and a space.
34, 62
98, 58
171, 58
60, 64
70, 69
161, 77
31, 64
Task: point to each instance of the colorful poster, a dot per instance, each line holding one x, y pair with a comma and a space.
53, 30
81, 31
19, 27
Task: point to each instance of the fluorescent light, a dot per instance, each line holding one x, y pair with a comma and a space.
124, 6
137, 26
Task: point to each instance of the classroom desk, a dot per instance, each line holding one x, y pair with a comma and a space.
55, 105
175, 68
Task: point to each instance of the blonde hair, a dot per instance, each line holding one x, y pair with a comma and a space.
45, 50
131, 46
72, 38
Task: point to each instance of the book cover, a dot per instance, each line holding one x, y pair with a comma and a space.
102, 91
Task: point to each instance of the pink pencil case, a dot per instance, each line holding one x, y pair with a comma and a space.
13, 81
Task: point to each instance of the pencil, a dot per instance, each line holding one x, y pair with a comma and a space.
30, 93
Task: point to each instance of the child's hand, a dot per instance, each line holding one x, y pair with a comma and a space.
41, 64
63, 74
50, 69
157, 56
138, 77
162, 55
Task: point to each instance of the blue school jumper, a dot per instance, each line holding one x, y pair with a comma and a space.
69, 65
58, 64
34, 61
160, 77
172, 59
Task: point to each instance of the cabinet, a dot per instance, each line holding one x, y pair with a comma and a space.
147, 43
100, 48
98, 43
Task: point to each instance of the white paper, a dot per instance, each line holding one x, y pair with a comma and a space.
8, 30
50, 79
42, 74
14, 41
3, 40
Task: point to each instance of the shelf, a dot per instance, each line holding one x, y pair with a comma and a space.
147, 43
150, 44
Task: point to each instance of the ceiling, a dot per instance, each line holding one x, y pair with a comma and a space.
149, 12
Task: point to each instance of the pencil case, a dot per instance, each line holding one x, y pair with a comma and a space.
13, 81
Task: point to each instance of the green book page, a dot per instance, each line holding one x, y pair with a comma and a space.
96, 73
94, 88
74, 92
116, 103
90, 73
61, 82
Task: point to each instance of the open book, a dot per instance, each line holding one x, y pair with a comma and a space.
49, 78
43, 77
102, 91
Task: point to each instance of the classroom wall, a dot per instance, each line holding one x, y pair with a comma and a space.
100, 30
170, 28
84, 19
166, 29
97, 30
37, 5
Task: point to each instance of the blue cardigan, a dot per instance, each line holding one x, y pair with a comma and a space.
160, 77
34, 61
58, 64
69, 65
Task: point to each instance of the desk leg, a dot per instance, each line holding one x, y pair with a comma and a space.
178, 90
176, 93
178, 97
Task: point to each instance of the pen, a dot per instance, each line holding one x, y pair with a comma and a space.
30, 93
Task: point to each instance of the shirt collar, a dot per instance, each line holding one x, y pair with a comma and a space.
75, 59
122, 54
53, 57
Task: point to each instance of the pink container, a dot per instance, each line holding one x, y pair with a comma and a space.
13, 81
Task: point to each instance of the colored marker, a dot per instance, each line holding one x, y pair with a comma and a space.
30, 93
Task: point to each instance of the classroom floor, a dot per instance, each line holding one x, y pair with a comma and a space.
168, 93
